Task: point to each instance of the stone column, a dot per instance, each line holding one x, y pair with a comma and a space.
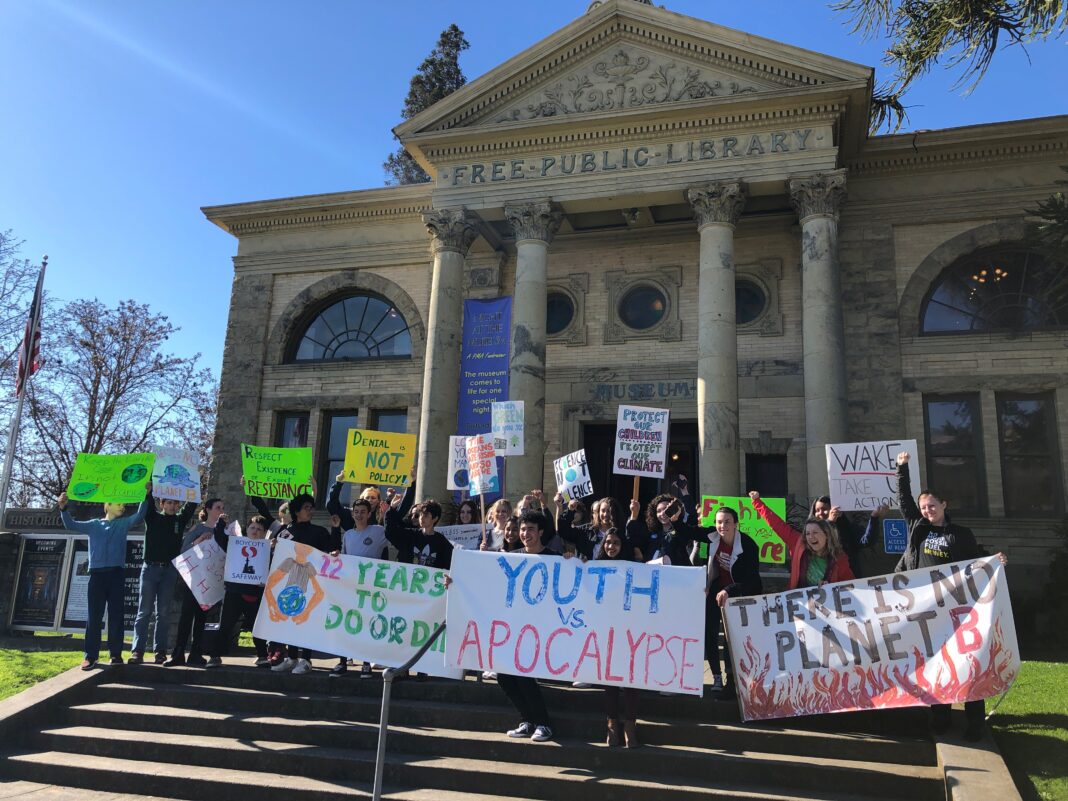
816, 199
717, 207
453, 231
534, 225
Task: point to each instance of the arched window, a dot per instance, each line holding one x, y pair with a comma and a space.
1006, 288
357, 327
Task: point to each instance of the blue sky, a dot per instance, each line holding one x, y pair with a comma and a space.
122, 119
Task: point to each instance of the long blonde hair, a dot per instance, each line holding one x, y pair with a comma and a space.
834, 544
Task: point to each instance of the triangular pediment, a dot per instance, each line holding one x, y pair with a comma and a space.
629, 56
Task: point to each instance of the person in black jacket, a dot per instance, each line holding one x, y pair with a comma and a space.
421, 544
242, 601
657, 536
587, 537
163, 537
620, 703
935, 540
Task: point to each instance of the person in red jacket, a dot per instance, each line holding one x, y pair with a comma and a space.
816, 557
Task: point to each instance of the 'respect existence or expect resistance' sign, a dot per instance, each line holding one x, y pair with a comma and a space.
276, 472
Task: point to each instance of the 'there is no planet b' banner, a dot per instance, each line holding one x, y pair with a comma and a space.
354, 606
611, 623
938, 635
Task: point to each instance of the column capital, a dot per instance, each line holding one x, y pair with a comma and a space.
538, 219
718, 202
818, 195
452, 229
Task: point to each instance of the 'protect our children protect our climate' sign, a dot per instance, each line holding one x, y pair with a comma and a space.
379, 457
110, 478
276, 472
641, 441
354, 606
771, 547
609, 623
863, 475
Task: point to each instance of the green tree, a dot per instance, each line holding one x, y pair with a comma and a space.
958, 34
438, 76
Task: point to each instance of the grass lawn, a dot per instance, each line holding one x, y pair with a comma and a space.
25, 666
1031, 728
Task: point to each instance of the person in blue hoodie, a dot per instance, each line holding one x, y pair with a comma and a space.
107, 572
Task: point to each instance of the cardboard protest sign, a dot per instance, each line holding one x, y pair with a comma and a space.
482, 465
641, 441
176, 475
772, 548
507, 418
276, 472
612, 623
247, 561
572, 476
106, 478
863, 475
379, 457
938, 635
201, 568
354, 606
468, 535
457, 478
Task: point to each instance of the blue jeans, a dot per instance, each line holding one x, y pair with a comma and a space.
105, 589
155, 596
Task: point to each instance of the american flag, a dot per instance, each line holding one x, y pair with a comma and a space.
30, 350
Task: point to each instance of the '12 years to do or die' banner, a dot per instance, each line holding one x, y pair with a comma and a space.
939, 635
353, 606
610, 623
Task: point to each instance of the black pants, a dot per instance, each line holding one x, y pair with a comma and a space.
191, 619
712, 632
106, 588
974, 713
295, 652
525, 695
235, 608
628, 709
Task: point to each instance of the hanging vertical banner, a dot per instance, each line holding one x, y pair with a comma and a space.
641, 441
458, 478
482, 465
507, 427
484, 353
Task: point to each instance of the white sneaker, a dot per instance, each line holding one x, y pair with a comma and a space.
488, 674
541, 734
581, 685
285, 666
303, 666
524, 729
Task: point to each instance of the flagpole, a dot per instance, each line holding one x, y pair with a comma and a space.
16, 421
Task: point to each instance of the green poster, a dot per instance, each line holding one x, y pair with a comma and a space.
276, 472
772, 548
111, 478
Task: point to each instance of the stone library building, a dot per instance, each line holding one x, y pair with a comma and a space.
680, 216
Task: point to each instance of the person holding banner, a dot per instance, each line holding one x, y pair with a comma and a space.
588, 537
107, 572
242, 601
620, 703
192, 617
418, 545
816, 557
656, 537
934, 540
163, 537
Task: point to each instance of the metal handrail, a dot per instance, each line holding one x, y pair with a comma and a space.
383, 723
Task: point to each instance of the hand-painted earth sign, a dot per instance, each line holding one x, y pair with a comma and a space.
354, 606
863, 475
641, 441
610, 623
201, 568
276, 472
458, 478
772, 548
507, 417
482, 465
105, 478
938, 635
572, 476
379, 457
176, 475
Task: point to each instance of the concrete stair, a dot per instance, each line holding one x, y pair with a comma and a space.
196, 734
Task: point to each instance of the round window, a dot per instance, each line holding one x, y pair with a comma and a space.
559, 312
749, 301
642, 307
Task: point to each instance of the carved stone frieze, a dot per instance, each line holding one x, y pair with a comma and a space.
717, 202
627, 79
539, 219
818, 195
451, 229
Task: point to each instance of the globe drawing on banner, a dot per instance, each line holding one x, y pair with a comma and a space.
176, 475
134, 473
83, 489
460, 478
291, 601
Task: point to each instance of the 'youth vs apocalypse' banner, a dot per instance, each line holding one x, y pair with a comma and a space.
939, 635
611, 623
354, 606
